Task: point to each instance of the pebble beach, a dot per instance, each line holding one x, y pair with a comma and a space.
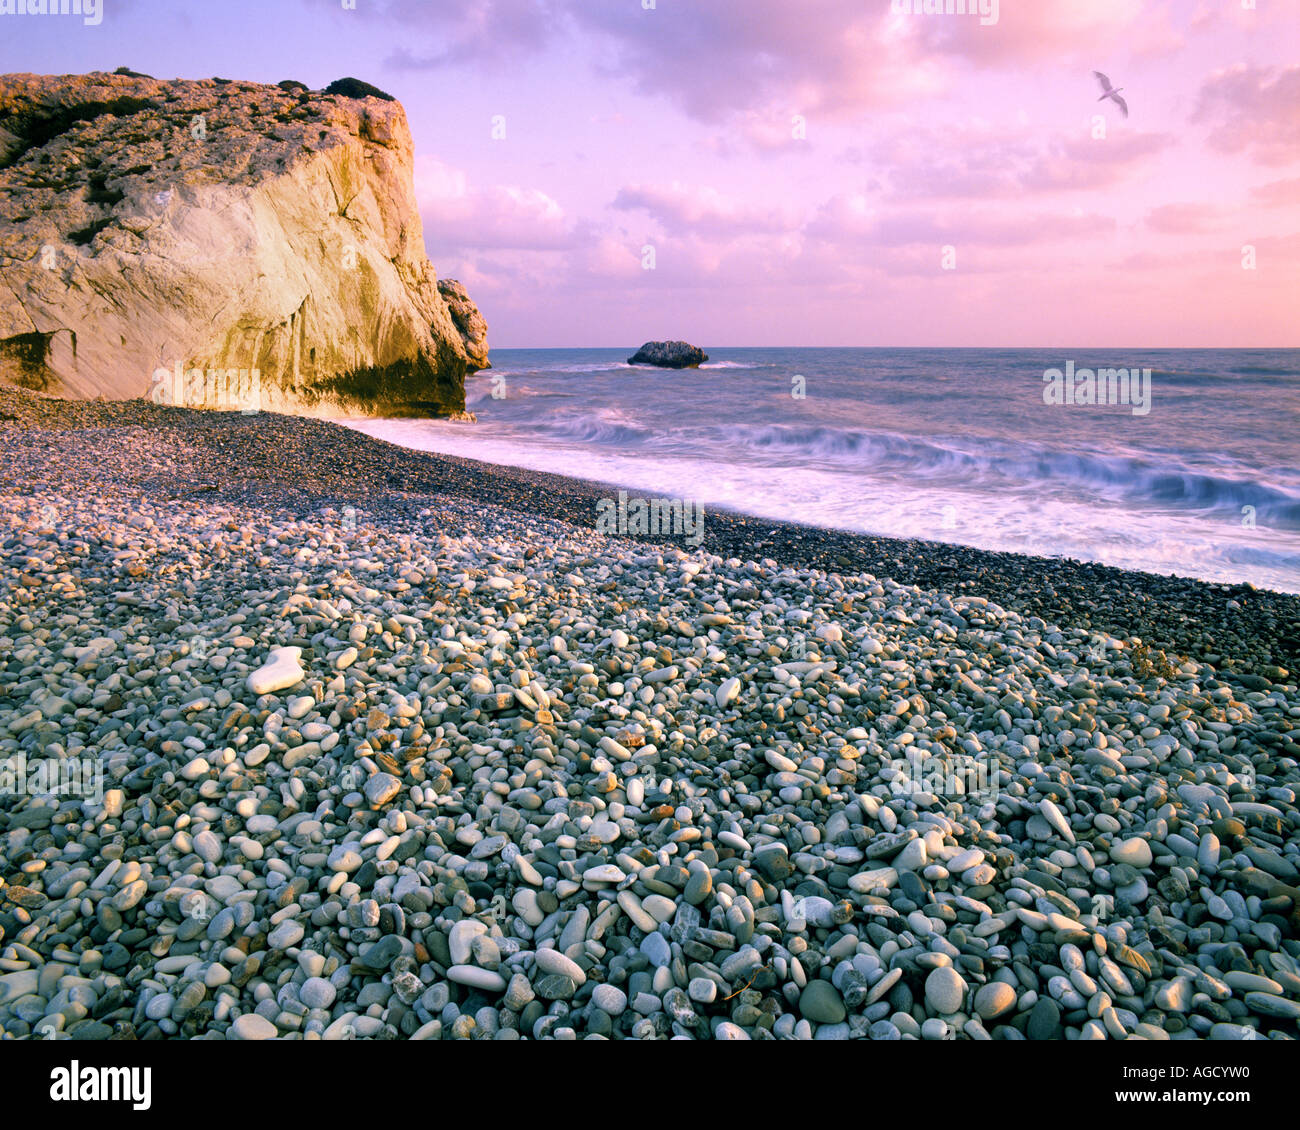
396, 746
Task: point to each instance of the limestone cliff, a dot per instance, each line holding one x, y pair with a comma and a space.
470, 323
267, 235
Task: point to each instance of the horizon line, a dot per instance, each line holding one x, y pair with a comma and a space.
1179, 348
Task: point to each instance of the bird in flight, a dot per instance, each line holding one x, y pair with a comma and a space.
1111, 92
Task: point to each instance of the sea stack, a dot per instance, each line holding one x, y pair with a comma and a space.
669, 355
174, 239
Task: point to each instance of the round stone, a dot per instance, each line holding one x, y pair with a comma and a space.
703, 990
934, 1029
250, 1026
345, 858
381, 788
288, 933
994, 999
160, 1006
944, 990
316, 992
1044, 1020
1134, 851
207, 847
194, 769
460, 940
821, 1003
698, 887
655, 946
609, 999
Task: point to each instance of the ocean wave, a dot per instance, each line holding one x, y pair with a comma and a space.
607, 428
558, 367
594, 367
478, 393
1123, 479
1263, 371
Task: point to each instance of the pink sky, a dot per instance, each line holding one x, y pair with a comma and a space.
674, 127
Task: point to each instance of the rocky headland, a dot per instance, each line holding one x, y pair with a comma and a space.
222, 244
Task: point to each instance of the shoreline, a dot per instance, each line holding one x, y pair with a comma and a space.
1237, 628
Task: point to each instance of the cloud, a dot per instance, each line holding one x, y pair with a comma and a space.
1253, 108
484, 31
1077, 162
977, 161
1185, 219
457, 214
704, 210
1278, 193
766, 58
1026, 34
714, 58
851, 218
751, 66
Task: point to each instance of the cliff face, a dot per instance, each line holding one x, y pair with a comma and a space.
470, 323
222, 244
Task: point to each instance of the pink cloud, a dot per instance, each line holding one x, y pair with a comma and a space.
1278, 193
753, 66
974, 161
1026, 34
1084, 162
704, 210
852, 218
1185, 219
457, 214
1253, 108
770, 58
486, 30
922, 131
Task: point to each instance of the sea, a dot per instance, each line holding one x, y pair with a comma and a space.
1197, 475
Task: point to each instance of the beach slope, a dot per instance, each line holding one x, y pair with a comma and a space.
397, 746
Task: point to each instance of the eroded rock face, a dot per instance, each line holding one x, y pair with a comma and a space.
267, 236
669, 355
470, 323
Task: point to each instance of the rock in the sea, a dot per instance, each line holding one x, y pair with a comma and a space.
222, 244
669, 355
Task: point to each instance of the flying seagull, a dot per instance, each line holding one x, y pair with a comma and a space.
1111, 92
